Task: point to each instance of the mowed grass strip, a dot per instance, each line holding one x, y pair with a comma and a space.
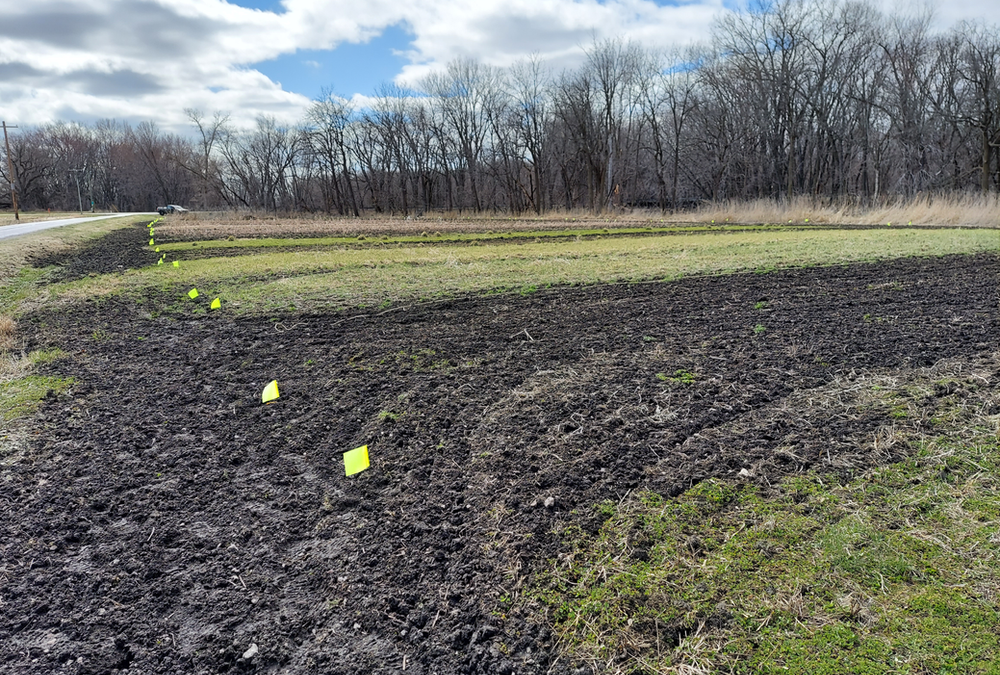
374, 241
338, 279
895, 571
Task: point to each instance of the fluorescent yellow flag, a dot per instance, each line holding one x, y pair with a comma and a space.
193, 293
270, 392
157, 249
216, 304
356, 460
160, 261
177, 263
150, 242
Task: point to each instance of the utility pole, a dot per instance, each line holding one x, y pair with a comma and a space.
79, 199
10, 167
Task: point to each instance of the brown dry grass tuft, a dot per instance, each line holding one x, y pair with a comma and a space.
14, 366
8, 328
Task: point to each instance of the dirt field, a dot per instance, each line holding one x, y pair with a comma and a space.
160, 519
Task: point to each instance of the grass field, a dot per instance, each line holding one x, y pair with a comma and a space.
892, 571
898, 566
327, 275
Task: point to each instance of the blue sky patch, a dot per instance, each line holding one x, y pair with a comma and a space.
349, 69
266, 5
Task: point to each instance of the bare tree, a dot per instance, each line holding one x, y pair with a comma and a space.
978, 67
613, 67
461, 93
832, 99
668, 97
259, 164
329, 118
210, 133
528, 85
908, 59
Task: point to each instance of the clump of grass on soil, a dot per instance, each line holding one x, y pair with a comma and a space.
20, 390
894, 571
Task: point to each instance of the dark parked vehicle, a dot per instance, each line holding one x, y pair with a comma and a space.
170, 208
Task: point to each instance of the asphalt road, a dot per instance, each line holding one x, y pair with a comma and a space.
27, 228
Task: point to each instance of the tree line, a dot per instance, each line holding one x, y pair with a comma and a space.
832, 99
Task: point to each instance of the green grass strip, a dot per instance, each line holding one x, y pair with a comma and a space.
337, 279
455, 237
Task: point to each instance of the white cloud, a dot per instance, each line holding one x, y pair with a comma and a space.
151, 59
946, 13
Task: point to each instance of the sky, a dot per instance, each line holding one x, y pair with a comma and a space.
136, 60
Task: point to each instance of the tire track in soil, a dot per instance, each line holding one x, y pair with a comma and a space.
163, 521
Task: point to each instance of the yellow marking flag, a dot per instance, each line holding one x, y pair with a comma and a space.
270, 392
160, 261
157, 249
150, 242
216, 304
356, 460
193, 293
177, 263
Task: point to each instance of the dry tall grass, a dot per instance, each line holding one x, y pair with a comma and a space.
958, 210
925, 210
13, 363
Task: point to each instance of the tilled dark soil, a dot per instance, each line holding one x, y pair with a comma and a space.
160, 519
